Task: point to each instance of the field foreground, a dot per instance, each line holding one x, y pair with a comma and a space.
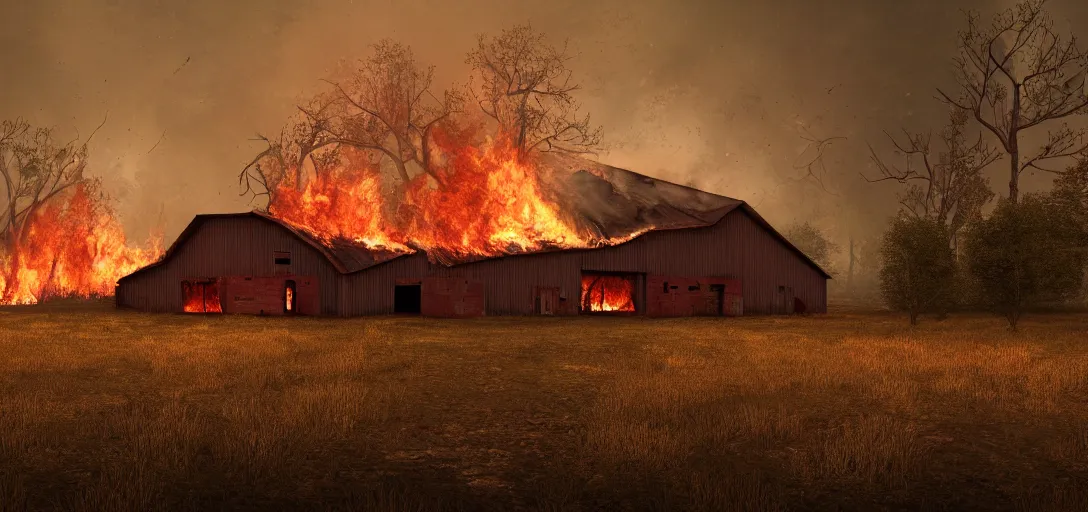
106, 410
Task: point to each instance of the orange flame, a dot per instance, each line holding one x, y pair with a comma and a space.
72, 246
289, 300
201, 297
480, 200
344, 203
607, 293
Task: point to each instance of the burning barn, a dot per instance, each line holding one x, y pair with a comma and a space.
663, 250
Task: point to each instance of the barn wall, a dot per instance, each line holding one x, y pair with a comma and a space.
508, 282
736, 247
220, 247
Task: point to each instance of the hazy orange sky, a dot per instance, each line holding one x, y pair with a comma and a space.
708, 92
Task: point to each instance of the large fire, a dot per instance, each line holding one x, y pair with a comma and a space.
201, 297
488, 203
72, 246
607, 293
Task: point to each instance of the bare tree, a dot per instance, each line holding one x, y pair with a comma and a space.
525, 85
384, 107
1019, 73
944, 184
35, 169
306, 138
811, 159
390, 109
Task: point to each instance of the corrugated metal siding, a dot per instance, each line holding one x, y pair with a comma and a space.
240, 246
736, 247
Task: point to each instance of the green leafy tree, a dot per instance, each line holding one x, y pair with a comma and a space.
1024, 255
1071, 193
918, 268
813, 242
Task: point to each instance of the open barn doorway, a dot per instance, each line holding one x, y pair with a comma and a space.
290, 297
200, 296
608, 293
407, 299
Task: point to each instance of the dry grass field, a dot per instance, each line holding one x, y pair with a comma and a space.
106, 410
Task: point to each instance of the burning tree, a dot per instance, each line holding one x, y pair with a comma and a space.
526, 87
1018, 74
388, 107
59, 235
307, 138
944, 184
456, 188
383, 111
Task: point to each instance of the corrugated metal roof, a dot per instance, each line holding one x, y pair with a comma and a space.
600, 199
616, 202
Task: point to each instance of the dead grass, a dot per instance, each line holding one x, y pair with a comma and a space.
106, 410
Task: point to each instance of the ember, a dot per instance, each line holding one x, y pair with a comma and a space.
72, 246
601, 293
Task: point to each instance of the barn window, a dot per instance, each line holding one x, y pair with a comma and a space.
693, 288
282, 258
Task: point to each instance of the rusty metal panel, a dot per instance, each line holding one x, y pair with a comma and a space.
691, 296
229, 246
547, 300
452, 297
265, 295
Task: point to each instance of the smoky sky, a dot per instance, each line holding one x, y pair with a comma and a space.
712, 93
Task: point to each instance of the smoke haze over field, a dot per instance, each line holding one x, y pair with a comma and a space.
712, 93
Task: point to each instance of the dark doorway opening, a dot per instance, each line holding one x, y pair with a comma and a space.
407, 299
290, 297
717, 300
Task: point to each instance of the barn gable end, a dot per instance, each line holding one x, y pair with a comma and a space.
227, 245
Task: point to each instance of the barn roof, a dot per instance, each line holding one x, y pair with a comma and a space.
613, 202
607, 201
346, 256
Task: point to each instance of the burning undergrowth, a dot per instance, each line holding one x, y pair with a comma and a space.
70, 246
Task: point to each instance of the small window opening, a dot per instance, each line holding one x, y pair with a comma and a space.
693, 288
665, 287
